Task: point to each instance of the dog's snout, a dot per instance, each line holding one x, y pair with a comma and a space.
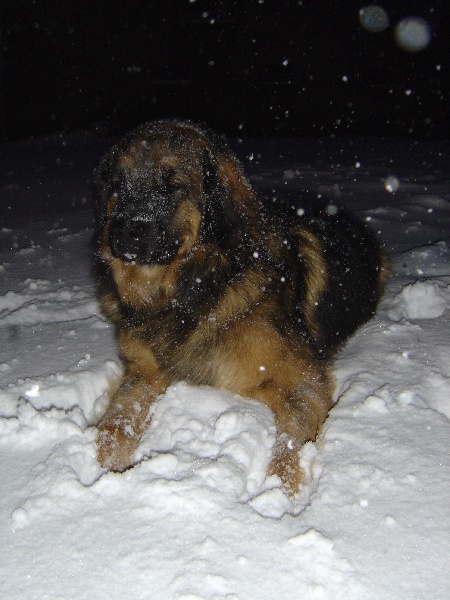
128, 231
125, 237
136, 240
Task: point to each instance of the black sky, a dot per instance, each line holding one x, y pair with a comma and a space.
245, 67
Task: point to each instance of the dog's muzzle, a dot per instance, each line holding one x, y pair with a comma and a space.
143, 242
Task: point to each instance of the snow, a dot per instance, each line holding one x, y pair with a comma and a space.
196, 518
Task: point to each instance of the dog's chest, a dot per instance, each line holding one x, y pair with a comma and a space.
190, 355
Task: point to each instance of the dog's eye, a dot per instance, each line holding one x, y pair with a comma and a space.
174, 185
171, 180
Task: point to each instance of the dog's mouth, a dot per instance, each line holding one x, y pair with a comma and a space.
137, 242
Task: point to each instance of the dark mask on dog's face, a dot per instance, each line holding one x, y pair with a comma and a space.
142, 228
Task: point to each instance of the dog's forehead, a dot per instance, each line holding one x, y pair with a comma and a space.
155, 153
159, 156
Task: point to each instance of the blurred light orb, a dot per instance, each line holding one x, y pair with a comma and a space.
391, 184
374, 18
331, 210
413, 34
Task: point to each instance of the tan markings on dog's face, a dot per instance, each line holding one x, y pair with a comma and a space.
187, 225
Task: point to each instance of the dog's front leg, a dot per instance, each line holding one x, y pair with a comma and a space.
299, 412
299, 419
126, 419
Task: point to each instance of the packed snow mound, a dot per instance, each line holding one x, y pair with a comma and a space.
421, 300
224, 439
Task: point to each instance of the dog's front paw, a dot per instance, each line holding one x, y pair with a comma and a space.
286, 464
115, 444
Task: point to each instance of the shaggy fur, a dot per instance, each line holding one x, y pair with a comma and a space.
209, 284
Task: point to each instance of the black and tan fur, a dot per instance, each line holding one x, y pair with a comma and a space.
207, 283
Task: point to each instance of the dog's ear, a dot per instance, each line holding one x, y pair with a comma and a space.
219, 219
231, 174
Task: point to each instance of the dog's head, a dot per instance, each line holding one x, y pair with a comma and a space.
167, 187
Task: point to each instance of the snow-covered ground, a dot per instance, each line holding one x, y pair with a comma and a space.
196, 519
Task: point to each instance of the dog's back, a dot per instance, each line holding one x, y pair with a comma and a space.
339, 259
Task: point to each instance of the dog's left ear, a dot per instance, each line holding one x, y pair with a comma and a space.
219, 218
212, 184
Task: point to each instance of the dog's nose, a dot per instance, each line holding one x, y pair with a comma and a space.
128, 231
145, 242
125, 237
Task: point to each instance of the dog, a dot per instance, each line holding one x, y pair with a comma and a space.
208, 283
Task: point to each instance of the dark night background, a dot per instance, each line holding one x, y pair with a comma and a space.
253, 67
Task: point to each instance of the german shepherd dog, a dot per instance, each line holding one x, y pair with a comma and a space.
207, 283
